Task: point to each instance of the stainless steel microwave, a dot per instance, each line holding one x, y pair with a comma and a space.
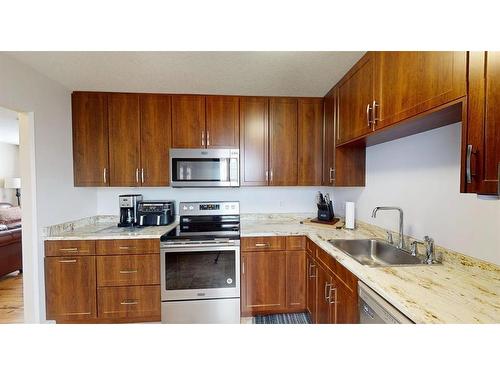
204, 167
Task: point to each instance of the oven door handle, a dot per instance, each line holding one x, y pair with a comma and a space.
194, 249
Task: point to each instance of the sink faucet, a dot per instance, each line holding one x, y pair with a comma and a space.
401, 244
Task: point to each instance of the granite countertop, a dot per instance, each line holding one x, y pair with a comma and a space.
460, 290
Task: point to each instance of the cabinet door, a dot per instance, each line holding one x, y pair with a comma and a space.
124, 139
283, 142
329, 139
70, 288
323, 306
409, 83
355, 99
310, 139
345, 305
254, 132
296, 280
188, 121
156, 129
223, 124
312, 277
483, 125
263, 282
90, 139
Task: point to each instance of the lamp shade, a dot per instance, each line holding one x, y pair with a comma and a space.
12, 183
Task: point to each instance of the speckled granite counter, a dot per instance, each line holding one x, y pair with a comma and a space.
461, 290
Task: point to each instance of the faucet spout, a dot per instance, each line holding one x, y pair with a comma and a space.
401, 244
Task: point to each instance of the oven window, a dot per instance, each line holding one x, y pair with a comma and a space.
200, 170
200, 270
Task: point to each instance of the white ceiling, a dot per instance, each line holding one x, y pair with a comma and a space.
9, 126
237, 73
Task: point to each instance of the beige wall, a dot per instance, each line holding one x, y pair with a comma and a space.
9, 167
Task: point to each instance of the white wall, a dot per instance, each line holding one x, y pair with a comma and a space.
421, 174
252, 199
9, 167
25, 90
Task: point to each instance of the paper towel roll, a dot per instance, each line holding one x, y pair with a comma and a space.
349, 215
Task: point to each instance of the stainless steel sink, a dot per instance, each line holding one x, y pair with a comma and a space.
376, 253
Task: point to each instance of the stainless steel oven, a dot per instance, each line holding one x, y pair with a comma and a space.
200, 265
204, 167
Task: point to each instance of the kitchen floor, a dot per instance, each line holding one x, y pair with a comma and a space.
11, 298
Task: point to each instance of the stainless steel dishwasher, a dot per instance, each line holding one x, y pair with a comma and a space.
373, 309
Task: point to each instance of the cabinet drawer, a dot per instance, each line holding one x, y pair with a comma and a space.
295, 243
129, 302
263, 243
347, 278
123, 270
327, 260
311, 247
69, 248
127, 247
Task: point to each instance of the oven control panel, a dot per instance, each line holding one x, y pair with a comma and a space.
209, 208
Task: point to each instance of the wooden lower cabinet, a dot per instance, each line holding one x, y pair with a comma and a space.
312, 277
325, 312
70, 288
102, 288
263, 282
296, 280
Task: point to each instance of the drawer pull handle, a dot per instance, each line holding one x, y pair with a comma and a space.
128, 271
127, 247
70, 249
262, 245
129, 302
68, 261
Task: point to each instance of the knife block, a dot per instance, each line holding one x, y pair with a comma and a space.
325, 212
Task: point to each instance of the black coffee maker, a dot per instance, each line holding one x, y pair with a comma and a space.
128, 209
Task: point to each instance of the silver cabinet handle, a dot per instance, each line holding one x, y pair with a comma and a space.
327, 293
467, 164
128, 271
126, 247
129, 302
208, 137
70, 249
374, 114
68, 261
203, 137
267, 175
331, 172
272, 170
368, 117
311, 275
262, 245
334, 300
142, 175
104, 175
243, 267
137, 175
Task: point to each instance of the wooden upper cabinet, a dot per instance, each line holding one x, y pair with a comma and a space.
355, 100
254, 133
483, 125
310, 139
70, 288
188, 121
283, 142
409, 83
124, 139
223, 124
156, 131
329, 139
90, 139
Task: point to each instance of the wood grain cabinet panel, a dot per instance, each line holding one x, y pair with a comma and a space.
263, 282
156, 129
70, 288
127, 270
329, 113
254, 148
127, 247
310, 141
483, 125
296, 243
188, 121
263, 243
223, 124
90, 139
124, 139
283, 142
345, 305
355, 98
130, 302
311, 286
69, 248
323, 306
296, 280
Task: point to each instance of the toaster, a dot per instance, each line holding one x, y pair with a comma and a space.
155, 213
